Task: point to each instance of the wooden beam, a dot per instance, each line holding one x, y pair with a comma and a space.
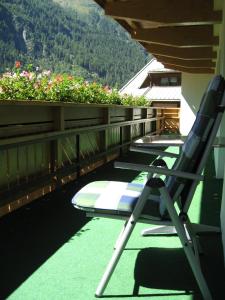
182, 12
183, 53
189, 70
186, 63
179, 36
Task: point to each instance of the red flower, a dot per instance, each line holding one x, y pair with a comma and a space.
70, 77
17, 64
59, 78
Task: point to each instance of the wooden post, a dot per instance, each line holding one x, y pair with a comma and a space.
121, 140
78, 154
104, 133
131, 118
144, 115
56, 145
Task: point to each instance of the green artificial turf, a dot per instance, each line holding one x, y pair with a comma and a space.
53, 252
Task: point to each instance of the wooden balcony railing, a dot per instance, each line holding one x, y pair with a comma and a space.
168, 116
44, 145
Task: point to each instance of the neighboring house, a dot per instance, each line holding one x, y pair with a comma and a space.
166, 87
156, 83
162, 87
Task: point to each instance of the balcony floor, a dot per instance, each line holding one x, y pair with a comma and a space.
49, 250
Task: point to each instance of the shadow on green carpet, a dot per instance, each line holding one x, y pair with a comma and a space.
34, 233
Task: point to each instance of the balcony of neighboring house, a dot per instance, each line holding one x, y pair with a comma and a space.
49, 151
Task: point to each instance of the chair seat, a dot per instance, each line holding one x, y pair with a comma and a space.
113, 197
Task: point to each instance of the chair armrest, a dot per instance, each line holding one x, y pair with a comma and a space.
158, 170
153, 151
160, 141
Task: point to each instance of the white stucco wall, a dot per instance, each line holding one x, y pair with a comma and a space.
132, 87
193, 87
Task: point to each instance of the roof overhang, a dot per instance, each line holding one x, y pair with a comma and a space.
182, 34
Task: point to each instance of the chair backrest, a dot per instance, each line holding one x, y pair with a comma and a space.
198, 143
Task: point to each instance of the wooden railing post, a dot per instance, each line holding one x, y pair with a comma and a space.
144, 115
78, 154
121, 140
104, 133
131, 118
56, 145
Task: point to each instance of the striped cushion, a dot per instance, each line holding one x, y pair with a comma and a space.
108, 195
113, 197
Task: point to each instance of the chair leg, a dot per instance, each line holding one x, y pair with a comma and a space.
120, 235
192, 259
122, 241
120, 245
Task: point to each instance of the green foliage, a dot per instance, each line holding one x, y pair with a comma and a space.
35, 85
134, 101
68, 36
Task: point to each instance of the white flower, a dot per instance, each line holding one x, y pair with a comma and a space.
46, 73
7, 74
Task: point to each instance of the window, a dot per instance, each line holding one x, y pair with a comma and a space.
174, 81
168, 80
162, 79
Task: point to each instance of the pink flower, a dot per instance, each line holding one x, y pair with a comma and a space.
24, 74
31, 76
27, 74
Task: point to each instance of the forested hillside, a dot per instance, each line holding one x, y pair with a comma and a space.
68, 36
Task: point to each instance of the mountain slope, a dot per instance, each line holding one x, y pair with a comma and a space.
81, 6
70, 36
